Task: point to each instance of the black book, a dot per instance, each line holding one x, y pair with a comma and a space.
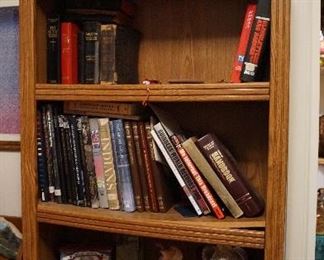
257, 42
53, 50
91, 52
119, 54
81, 57
41, 160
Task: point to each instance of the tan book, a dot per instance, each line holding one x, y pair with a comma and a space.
108, 164
210, 175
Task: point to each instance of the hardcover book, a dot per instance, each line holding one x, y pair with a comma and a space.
257, 42
225, 166
81, 58
53, 50
210, 175
98, 162
91, 52
119, 54
122, 165
108, 163
245, 33
69, 53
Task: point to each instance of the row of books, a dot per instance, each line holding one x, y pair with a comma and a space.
83, 51
114, 163
250, 59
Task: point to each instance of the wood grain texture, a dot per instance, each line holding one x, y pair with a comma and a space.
28, 124
167, 225
278, 130
10, 146
155, 93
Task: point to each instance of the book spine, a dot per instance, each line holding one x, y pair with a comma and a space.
98, 162
134, 166
108, 163
53, 152
81, 61
91, 51
174, 169
222, 162
216, 209
87, 146
160, 187
148, 167
123, 167
107, 54
141, 166
69, 53
51, 186
53, 50
41, 160
85, 176
63, 125
80, 187
245, 33
212, 178
256, 43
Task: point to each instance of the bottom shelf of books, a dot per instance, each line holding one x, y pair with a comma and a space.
246, 232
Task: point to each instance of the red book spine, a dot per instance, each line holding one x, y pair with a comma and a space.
69, 53
244, 39
198, 179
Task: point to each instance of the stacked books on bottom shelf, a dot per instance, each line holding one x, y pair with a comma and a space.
128, 162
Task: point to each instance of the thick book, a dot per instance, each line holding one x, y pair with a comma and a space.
41, 160
245, 33
148, 166
69, 53
119, 54
257, 42
108, 163
225, 166
135, 171
122, 165
211, 176
91, 52
176, 172
141, 165
184, 173
53, 49
98, 162
215, 207
87, 146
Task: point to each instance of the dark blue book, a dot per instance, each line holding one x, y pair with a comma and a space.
122, 165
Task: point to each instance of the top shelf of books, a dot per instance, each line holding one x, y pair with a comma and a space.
258, 91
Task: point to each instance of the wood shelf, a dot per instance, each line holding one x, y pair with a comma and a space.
169, 225
258, 91
321, 161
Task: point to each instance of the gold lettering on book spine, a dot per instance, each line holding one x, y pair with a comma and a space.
217, 157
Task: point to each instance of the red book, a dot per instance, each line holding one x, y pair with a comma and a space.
215, 208
69, 53
245, 33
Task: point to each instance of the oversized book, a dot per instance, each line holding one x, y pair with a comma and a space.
227, 169
257, 42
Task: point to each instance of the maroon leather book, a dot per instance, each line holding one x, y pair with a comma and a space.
224, 165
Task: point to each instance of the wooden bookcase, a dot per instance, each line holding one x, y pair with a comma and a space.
183, 39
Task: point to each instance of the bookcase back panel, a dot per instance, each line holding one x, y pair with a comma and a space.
242, 127
188, 39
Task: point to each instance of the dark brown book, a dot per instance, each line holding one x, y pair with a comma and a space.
225, 166
119, 53
148, 167
141, 166
163, 191
134, 166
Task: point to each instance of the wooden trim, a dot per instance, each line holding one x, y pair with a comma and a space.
321, 161
10, 146
278, 130
27, 79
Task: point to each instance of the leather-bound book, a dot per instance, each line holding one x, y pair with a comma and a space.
53, 49
225, 166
